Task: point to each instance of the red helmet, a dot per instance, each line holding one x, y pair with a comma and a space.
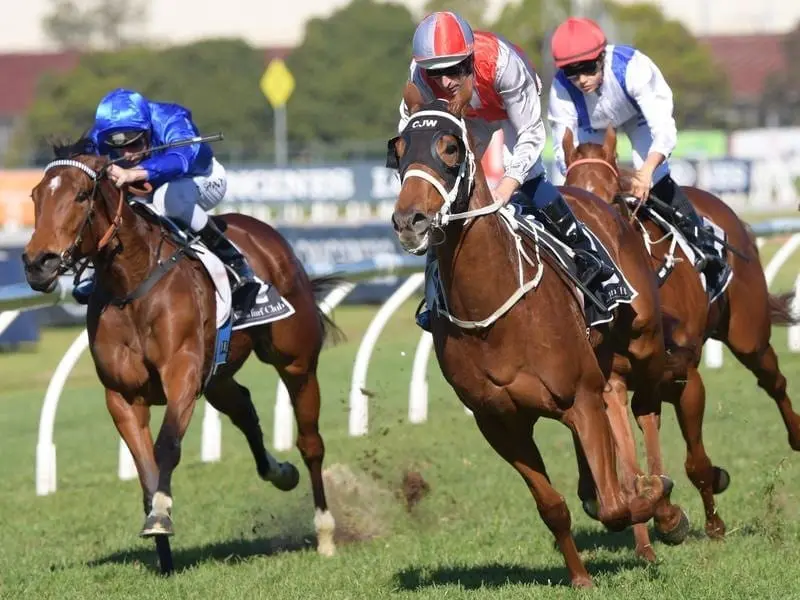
442, 39
576, 40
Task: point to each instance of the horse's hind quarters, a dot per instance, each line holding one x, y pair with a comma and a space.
41, 270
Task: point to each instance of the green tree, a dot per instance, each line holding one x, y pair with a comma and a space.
109, 24
350, 70
700, 88
474, 11
216, 79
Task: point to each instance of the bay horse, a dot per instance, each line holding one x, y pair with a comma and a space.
155, 346
532, 358
741, 318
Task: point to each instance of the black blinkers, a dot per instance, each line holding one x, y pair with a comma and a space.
421, 134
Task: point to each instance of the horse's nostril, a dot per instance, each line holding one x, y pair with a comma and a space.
419, 223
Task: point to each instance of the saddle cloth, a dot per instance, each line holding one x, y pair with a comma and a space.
614, 289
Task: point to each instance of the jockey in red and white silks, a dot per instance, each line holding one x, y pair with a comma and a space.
506, 94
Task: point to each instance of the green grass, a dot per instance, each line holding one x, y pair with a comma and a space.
475, 535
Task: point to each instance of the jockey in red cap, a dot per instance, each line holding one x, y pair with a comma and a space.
506, 95
599, 84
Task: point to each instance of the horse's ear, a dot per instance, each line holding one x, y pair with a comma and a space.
458, 105
412, 97
610, 144
568, 144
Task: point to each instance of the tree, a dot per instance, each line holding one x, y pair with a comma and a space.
474, 11
216, 79
529, 25
700, 89
350, 70
109, 24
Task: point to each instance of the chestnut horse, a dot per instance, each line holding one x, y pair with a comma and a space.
741, 317
532, 357
158, 349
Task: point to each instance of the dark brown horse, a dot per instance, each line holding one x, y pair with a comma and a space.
741, 317
514, 344
158, 349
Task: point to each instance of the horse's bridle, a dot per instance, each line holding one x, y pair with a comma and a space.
464, 182
592, 161
69, 257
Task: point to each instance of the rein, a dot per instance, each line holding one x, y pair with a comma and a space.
69, 258
466, 175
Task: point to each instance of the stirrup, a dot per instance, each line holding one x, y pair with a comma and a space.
594, 267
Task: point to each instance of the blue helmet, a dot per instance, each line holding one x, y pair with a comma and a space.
122, 117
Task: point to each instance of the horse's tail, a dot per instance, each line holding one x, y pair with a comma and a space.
322, 285
781, 309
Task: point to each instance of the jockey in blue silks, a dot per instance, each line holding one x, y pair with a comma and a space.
187, 180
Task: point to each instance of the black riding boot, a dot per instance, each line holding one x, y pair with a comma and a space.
562, 222
692, 224
715, 268
245, 289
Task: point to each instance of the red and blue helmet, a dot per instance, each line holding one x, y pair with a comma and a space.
442, 40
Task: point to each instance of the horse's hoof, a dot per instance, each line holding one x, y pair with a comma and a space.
715, 528
722, 480
287, 479
591, 508
668, 485
677, 534
157, 525
646, 553
582, 582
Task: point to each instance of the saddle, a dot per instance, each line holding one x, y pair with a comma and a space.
269, 305
611, 290
718, 282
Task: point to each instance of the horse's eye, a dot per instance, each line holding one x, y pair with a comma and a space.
451, 148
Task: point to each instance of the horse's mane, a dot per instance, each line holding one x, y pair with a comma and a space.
625, 176
71, 149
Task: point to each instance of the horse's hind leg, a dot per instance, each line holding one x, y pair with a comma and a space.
512, 438
689, 409
233, 400
304, 392
588, 421
764, 365
616, 399
671, 521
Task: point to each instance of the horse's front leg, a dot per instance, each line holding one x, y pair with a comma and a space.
133, 423
180, 378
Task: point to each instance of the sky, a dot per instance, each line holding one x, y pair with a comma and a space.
280, 22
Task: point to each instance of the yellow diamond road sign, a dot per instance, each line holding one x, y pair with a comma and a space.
277, 83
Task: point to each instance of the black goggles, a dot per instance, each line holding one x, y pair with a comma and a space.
457, 70
586, 67
120, 139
